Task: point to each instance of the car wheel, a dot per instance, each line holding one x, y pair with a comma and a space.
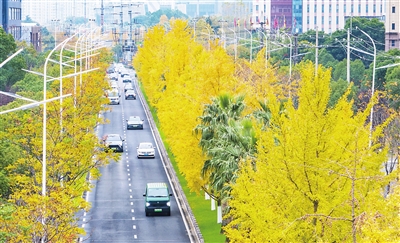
147, 214
169, 213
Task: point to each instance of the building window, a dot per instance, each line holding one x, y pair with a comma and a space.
366, 8
308, 8
393, 26
330, 20
256, 7
374, 8
315, 20
322, 20
337, 8
337, 19
315, 8
308, 19
322, 8
359, 8
352, 8
330, 8
393, 43
393, 9
380, 8
344, 8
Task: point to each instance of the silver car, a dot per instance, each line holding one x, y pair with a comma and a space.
114, 142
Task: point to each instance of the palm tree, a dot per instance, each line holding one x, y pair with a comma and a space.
226, 139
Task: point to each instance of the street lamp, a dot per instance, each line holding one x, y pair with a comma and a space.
290, 57
223, 32
373, 86
55, 30
251, 44
266, 48
234, 33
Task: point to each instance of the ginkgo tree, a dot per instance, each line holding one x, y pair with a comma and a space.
178, 76
315, 176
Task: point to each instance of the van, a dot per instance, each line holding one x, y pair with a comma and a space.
157, 199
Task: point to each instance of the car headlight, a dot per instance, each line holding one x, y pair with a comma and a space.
168, 204
147, 204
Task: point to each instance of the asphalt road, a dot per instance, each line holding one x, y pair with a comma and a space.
117, 213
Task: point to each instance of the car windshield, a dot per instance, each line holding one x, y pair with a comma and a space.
135, 118
145, 146
113, 138
157, 192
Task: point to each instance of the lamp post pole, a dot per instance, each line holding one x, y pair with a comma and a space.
372, 87
251, 44
223, 32
234, 33
266, 48
290, 56
55, 30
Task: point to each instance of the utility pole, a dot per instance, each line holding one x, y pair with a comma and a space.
130, 27
348, 55
102, 17
316, 51
121, 27
84, 9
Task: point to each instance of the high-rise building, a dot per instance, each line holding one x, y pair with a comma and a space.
45, 12
11, 17
300, 16
392, 24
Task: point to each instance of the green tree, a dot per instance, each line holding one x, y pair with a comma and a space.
357, 71
10, 72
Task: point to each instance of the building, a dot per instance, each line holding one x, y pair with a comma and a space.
31, 34
300, 16
392, 24
48, 12
11, 17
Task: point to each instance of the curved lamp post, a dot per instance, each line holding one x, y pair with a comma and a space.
266, 48
372, 87
290, 56
251, 44
235, 37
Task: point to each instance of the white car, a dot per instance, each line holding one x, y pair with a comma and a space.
128, 86
113, 96
145, 150
114, 85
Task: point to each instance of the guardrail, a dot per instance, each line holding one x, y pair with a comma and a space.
188, 217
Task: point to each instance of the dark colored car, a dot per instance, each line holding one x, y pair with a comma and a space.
134, 122
157, 199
